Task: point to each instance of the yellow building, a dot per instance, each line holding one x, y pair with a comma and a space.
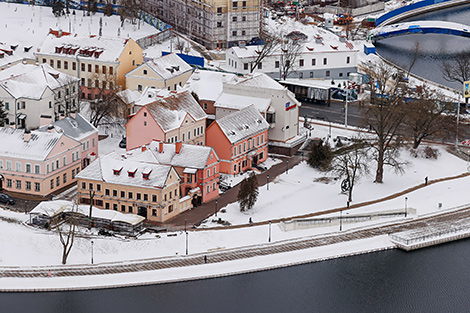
99, 62
213, 23
147, 189
166, 72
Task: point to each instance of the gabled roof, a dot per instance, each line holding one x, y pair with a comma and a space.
167, 66
30, 81
170, 111
208, 84
13, 145
129, 96
103, 169
193, 156
241, 124
107, 49
76, 128
258, 80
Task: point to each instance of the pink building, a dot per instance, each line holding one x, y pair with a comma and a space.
198, 166
240, 140
172, 118
37, 163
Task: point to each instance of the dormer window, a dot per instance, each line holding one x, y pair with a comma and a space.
131, 173
117, 172
146, 175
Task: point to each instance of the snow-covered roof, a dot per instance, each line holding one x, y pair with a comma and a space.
190, 156
129, 96
241, 124
113, 169
169, 112
233, 101
38, 147
51, 208
208, 84
258, 80
30, 81
107, 49
77, 128
167, 66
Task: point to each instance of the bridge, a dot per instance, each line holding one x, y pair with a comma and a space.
422, 27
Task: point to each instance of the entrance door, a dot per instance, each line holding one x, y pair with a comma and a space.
142, 211
255, 160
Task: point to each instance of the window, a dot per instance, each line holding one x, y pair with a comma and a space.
311, 74
138, 195
57, 181
245, 66
89, 68
214, 186
170, 209
234, 18
171, 194
66, 65
114, 193
83, 67
90, 186
115, 207
47, 168
57, 164
106, 192
18, 184
74, 66
139, 87
103, 69
130, 195
111, 69
234, 34
301, 62
154, 198
123, 208
1, 164
327, 74
208, 188
130, 209
28, 168
235, 167
146, 197
244, 4
51, 63
7, 106
97, 68
64, 160
123, 194
219, 24
44, 61
9, 165
8, 183
348, 60
98, 187
154, 212
28, 185
82, 82
260, 65
73, 173
18, 166
301, 75
243, 18
106, 205
219, 10
276, 64
37, 187
235, 4
325, 61
145, 72
58, 63
64, 178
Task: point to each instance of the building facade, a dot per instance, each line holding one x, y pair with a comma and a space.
149, 190
240, 140
213, 23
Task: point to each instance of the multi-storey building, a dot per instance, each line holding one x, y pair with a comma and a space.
240, 140
37, 163
171, 118
36, 95
99, 62
213, 23
147, 189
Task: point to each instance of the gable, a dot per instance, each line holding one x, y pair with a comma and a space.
63, 144
172, 177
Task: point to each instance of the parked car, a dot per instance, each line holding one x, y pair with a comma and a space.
7, 199
122, 143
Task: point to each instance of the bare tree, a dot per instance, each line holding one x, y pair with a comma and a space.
457, 69
270, 44
290, 50
90, 211
67, 229
386, 113
107, 106
128, 9
351, 163
425, 115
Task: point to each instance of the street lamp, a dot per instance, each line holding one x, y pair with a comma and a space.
406, 206
186, 243
216, 208
341, 220
267, 184
269, 239
92, 252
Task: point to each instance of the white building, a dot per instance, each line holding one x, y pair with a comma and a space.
36, 95
277, 105
317, 59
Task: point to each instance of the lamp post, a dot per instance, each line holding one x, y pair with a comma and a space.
269, 239
186, 243
216, 208
92, 252
341, 220
267, 183
406, 206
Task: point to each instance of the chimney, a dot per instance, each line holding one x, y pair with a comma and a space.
319, 39
143, 148
178, 146
342, 38
27, 135
160, 147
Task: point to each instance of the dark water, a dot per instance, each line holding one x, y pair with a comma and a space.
433, 48
435, 279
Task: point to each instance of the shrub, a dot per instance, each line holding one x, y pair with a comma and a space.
320, 155
430, 153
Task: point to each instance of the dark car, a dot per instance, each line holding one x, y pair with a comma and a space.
122, 143
6, 199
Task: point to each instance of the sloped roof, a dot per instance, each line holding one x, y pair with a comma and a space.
30, 81
110, 47
259, 80
169, 112
193, 156
208, 85
233, 101
129, 96
12, 144
77, 128
169, 66
103, 169
242, 124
